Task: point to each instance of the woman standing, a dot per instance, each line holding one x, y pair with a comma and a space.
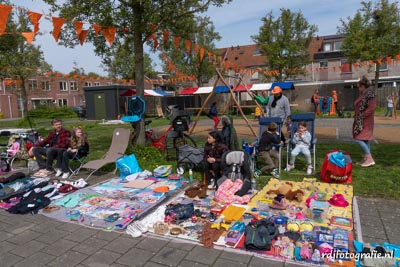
363, 126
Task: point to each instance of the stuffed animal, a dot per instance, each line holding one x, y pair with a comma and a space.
286, 189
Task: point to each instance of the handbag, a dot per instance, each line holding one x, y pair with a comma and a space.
337, 167
179, 211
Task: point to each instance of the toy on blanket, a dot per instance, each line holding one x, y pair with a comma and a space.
286, 190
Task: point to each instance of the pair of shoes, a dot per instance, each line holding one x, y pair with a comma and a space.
39, 173
367, 163
275, 173
65, 175
309, 170
58, 172
289, 167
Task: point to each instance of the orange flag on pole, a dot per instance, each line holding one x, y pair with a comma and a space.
201, 54
176, 41
57, 24
28, 36
165, 37
97, 29
34, 18
4, 13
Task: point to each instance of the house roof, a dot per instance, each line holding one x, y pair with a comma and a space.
243, 56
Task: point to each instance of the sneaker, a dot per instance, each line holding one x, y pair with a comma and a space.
58, 172
257, 173
211, 185
275, 173
289, 167
65, 175
309, 170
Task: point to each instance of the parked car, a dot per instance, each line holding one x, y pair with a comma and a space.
80, 111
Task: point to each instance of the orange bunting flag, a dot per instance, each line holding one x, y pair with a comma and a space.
398, 57
165, 37
201, 54
109, 34
34, 18
57, 24
4, 13
188, 44
82, 36
176, 41
389, 60
195, 49
371, 63
379, 60
28, 36
355, 66
97, 29
155, 44
78, 27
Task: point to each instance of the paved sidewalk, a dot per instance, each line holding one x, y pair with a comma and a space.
35, 240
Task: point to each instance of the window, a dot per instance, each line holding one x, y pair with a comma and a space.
345, 66
73, 86
88, 83
254, 74
337, 46
32, 84
327, 47
63, 86
323, 64
257, 52
62, 102
109, 83
383, 66
46, 86
96, 83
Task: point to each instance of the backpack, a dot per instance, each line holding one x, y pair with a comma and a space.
259, 235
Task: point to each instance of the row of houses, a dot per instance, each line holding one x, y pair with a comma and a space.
329, 70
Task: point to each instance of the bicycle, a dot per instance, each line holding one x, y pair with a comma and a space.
172, 138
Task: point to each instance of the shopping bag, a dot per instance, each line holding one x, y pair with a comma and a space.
337, 167
127, 165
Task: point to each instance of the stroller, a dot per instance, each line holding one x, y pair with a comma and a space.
236, 165
190, 155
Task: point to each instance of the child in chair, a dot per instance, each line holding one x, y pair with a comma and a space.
302, 142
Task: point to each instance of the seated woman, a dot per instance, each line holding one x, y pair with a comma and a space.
79, 146
213, 150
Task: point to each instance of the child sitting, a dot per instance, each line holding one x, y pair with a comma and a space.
268, 151
302, 141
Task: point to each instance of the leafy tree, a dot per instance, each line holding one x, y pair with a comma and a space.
18, 59
372, 34
132, 18
200, 31
285, 43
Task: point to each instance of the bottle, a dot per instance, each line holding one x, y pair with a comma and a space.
253, 184
190, 175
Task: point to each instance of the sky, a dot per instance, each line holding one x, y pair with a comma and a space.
235, 22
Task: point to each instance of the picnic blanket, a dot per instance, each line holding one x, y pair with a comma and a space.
110, 205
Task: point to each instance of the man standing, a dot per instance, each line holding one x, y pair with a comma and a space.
50, 148
278, 106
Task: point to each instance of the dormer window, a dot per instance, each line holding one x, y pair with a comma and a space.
327, 47
257, 52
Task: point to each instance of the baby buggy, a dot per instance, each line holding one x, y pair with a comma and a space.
237, 165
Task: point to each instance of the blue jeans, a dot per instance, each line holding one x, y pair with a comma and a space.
389, 112
365, 146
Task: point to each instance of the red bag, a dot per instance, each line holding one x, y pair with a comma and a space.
332, 173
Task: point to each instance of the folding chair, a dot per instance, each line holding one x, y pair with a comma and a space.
80, 160
263, 126
309, 118
120, 142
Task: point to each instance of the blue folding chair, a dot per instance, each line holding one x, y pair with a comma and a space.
263, 126
309, 118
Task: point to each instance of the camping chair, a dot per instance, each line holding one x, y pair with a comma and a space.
263, 126
80, 161
309, 118
117, 149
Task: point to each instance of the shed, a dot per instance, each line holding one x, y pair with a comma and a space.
105, 102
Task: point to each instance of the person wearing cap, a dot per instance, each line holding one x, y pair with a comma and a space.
278, 106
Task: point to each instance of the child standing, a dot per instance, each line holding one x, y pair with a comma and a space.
302, 141
268, 150
213, 114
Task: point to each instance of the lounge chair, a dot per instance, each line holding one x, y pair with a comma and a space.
117, 149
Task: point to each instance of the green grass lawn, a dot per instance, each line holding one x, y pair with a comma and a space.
381, 180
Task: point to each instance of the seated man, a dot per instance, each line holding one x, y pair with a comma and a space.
53, 146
